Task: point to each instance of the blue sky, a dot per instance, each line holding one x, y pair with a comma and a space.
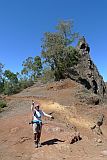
23, 23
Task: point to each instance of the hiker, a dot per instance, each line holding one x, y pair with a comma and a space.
37, 121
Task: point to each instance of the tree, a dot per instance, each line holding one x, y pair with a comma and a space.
65, 28
11, 77
57, 50
27, 67
1, 71
1, 78
11, 84
37, 66
32, 67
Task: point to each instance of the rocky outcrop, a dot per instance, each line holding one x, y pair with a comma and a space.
86, 71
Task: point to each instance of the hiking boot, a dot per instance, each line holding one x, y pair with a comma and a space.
36, 144
39, 144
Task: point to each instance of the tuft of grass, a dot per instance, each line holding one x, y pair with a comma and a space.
2, 104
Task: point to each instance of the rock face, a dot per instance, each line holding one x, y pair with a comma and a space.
85, 72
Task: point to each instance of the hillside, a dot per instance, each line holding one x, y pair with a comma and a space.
68, 102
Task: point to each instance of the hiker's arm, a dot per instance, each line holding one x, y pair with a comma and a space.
47, 115
32, 107
32, 110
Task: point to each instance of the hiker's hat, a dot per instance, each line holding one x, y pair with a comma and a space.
37, 104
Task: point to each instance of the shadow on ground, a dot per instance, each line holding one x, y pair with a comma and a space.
51, 141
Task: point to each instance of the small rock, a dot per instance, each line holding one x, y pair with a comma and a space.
104, 153
75, 137
13, 130
56, 129
99, 141
95, 139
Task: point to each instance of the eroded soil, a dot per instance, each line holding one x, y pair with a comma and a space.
16, 137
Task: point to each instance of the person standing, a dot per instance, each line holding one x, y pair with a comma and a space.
37, 115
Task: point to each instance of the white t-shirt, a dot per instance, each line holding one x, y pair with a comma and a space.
37, 115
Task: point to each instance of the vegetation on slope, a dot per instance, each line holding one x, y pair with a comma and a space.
57, 55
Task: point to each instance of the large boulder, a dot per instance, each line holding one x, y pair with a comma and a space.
86, 71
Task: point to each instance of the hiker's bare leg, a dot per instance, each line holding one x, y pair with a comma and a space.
38, 140
39, 132
35, 137
38, 137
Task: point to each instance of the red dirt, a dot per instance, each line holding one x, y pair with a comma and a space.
16, 138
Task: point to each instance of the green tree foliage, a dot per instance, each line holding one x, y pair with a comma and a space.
1, 71
8, 88
27, 67
58, 54
2, 105
12, 77
47, 75
1, 78
14, 85
11, 84
25, 83
37, 66
32, 67
65, 28
57, 50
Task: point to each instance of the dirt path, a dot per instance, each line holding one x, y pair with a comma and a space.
16, 138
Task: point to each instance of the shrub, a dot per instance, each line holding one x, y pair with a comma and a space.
48, 75
13, 88
25, 83
8, 88
2, 104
